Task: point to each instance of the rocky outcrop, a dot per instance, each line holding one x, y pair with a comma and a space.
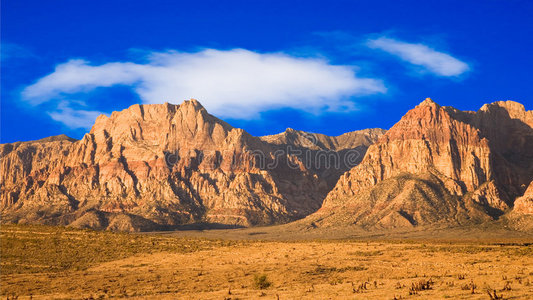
317, 141
158, 166
524, 204
328, 156
521, 217
438, 164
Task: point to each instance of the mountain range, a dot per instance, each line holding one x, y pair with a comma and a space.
163, 166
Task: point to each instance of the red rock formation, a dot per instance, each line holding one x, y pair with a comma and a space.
521, 217
152, 166
317, 141
328, 156
524, 204
446, 165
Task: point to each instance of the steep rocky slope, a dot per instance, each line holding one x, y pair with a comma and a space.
317, 141
438, 165
524, 204
521, 217
328, 156
158, 166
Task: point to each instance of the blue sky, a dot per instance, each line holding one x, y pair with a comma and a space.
320, 66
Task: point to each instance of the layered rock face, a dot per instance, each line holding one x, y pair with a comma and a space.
328, 156
317, 141
438, 165
157, 166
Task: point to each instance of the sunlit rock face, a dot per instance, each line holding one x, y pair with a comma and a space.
438, 165
524, 204
159, 166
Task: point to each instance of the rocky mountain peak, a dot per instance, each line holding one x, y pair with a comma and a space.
428, 102
290, 130
508, 105
472, 165
317, 141
194, 103
160, 127
159, 165
507, 109
154, 112
429, 121
54, 138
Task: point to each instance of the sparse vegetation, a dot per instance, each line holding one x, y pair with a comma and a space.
321, 270
366, 253
33, 248
493, 295
469, 287
507, 286
421, 285
45, 261
362, 287
261, 282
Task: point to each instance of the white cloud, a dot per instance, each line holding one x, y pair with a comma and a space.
74, 118
421, 55
235, 83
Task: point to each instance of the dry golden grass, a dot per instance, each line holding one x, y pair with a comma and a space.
51, 262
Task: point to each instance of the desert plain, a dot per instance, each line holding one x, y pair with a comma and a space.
45, 262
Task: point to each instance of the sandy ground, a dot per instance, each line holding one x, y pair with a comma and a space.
298, 231
306, 269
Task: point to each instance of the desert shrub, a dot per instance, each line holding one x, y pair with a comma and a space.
360, 288
507, 286
421, 285
261, 282
493, 295
471, 287
322, 270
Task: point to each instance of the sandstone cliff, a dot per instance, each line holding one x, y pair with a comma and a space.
438, 165
159, 166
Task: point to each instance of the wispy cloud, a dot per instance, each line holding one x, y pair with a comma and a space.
10, 51
74, 118
235, 83
439, 63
